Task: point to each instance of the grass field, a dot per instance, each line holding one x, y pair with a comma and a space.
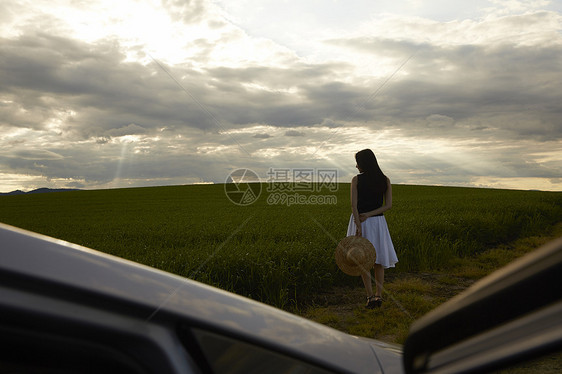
270, 251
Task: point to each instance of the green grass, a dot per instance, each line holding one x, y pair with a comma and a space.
276, 253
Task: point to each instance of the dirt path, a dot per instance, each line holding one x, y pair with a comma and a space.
408, 296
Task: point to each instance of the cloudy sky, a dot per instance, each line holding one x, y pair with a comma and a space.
108, 94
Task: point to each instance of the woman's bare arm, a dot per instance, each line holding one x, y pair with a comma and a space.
356, 217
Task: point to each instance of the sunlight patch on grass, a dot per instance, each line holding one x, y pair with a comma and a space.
409, 284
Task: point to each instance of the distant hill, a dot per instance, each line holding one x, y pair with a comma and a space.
39, 190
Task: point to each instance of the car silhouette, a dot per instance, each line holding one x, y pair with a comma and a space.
69, 309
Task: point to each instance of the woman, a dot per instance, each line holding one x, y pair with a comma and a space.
371, 196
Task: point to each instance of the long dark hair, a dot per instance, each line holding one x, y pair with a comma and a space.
367, 163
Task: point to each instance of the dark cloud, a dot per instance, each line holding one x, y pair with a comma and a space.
509, 88
38, 155
93, 81
294, 133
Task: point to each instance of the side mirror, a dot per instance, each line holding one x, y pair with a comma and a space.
510, 316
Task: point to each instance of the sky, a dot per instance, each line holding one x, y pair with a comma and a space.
112, 94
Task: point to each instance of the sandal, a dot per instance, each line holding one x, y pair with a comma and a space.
373, 302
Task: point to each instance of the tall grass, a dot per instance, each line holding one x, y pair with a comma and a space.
276, 253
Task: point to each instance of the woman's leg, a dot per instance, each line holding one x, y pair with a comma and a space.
379, 279
366, 277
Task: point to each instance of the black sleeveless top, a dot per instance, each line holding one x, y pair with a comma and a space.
369, 194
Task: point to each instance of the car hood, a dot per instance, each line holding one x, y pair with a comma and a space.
90, 276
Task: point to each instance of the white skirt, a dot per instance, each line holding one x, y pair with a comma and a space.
376, 231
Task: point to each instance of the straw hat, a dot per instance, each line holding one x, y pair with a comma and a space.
354, 254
